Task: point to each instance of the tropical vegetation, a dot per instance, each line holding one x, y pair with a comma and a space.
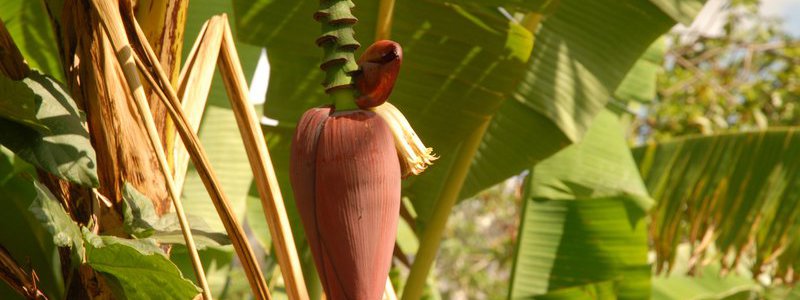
644, 163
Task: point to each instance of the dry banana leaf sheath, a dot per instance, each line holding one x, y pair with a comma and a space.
346, 177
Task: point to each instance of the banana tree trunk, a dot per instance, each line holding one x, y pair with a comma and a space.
96, 82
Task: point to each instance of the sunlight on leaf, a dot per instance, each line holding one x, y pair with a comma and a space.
65, 151
18, 104
138, 213
140, 268
29, 25
30, 241
49, 211
583, 222
140, 220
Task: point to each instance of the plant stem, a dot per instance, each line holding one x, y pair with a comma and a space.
452, 189
526, 192
338, 43
343, 99
383, 29
429, 245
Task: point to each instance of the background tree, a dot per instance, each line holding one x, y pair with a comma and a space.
741, 79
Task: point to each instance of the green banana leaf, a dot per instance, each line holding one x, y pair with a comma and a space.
708, 286
29, 243
136, 269
639, 84
738, 189
604, 290
61, 146
783, 293
572, 74
583, 222
464, 64
706, 283
29, 25
218, 264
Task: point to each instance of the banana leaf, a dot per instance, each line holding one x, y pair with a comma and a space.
738, 191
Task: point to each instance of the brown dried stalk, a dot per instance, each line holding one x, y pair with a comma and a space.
258, 157
12, 64
207, 175
194, 83
215, 44
17, 278
98, 86
263, 171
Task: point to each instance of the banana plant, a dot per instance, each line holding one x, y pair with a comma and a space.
478, 81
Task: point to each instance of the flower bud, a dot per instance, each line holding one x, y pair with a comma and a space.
346, 175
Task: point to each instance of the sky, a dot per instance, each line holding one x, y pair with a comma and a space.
710, 21
789, 10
